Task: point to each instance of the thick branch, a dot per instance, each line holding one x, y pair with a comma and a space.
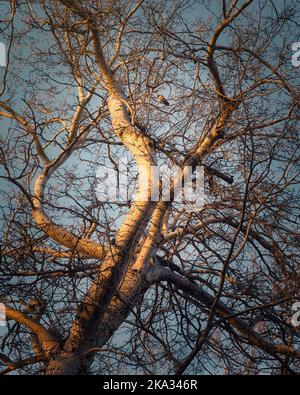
164, 274
47, 341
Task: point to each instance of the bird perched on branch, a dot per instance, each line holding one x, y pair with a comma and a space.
163, 100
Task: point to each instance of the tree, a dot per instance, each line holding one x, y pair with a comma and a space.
148, 286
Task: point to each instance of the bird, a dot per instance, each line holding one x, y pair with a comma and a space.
163, 100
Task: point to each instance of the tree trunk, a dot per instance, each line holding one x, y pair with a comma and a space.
79, 360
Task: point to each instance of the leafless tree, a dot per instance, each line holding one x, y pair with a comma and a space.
143, 286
